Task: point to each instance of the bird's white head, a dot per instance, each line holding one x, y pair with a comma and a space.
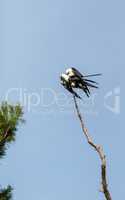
68, 71
65, 77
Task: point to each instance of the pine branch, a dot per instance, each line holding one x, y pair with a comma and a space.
6, 193
5, 136
10, 117
100, 152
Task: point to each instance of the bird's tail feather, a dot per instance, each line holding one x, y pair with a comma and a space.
76, 95
92, 75
87, 92
91, 85
85, 89
87, 80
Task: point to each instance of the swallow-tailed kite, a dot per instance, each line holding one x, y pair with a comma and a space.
77, 80
74, 79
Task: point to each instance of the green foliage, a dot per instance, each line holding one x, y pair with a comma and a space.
2, 149
10, 117
6, 193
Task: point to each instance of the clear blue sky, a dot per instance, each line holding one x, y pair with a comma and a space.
50, 159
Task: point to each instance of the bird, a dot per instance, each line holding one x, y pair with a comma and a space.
77, 80
65, 81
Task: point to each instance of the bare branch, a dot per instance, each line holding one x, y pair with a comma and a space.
100, 152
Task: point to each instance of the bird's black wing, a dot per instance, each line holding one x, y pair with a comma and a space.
77, 73
82, 80
81, 83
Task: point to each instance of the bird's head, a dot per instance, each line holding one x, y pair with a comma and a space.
64, 77
68, 71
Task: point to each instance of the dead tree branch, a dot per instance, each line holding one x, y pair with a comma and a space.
100, 152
